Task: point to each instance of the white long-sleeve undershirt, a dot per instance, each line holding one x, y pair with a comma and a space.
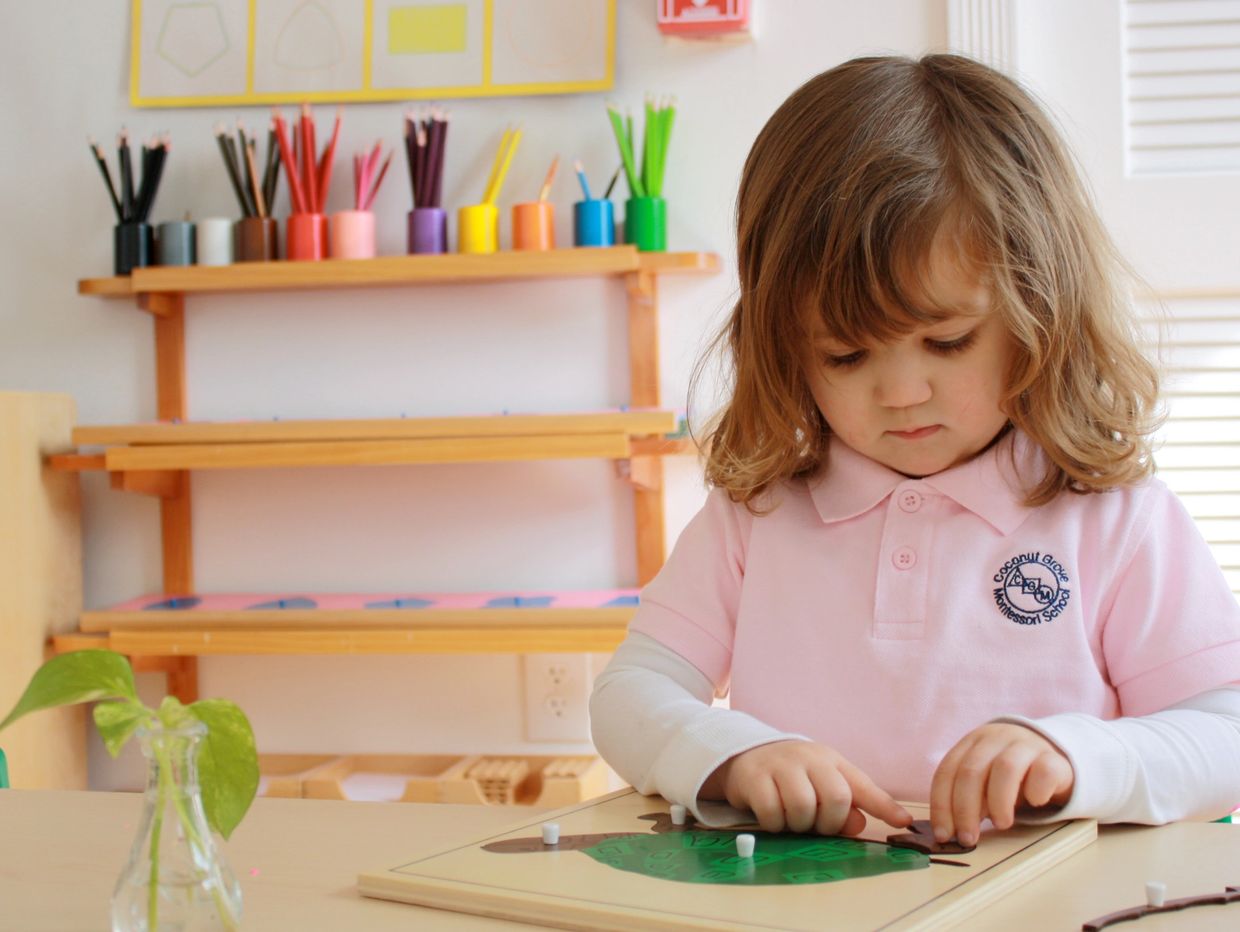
653, 722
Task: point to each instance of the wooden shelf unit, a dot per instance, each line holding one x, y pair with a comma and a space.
157, 459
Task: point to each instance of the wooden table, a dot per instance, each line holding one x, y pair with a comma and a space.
297, 859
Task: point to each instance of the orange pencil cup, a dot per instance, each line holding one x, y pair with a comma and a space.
306, 236
351, 235
533, 225
478, 228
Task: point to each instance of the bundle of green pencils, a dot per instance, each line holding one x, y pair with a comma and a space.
648, 182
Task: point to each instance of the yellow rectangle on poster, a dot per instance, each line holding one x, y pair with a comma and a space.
420, 30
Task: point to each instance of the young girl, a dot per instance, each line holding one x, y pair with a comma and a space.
933, 565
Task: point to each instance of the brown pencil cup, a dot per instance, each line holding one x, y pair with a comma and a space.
256, 239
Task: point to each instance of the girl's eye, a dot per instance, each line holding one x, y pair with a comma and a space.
947, 347
845, 362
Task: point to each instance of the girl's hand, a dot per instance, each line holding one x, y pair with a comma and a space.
802, 786
989, 773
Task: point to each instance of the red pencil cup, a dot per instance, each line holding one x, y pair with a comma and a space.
351, 235
306, 236
533, 225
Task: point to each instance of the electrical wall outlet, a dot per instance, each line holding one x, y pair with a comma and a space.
557, 696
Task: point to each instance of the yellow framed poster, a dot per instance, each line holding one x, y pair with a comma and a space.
192, 53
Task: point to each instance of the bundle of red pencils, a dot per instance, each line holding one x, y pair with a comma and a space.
308, 178
424, 144
134, 206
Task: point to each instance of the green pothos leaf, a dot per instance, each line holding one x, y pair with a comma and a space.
80, 676
117, 721
227, 763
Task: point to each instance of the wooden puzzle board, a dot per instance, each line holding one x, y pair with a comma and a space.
569, 889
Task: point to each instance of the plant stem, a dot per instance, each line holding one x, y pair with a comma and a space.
152, 905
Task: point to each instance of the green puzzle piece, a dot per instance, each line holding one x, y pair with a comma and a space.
710, 857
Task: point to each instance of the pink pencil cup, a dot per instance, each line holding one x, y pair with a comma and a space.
351, 235
306, 236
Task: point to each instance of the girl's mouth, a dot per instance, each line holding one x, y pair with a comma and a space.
917, 433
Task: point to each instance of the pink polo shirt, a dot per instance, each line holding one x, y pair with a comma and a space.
887, 616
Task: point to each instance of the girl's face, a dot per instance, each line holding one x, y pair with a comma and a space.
927, 400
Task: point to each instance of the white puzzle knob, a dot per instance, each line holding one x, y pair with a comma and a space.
679, 813
744, 845
551, 833
1155, 893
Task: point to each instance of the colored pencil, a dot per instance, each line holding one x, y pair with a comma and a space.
329, 156
581, 176
308, 167
126, 169
626, 151
107, 179
546, 188
508, 147
271, 173
259, 202
287, 155
612, 184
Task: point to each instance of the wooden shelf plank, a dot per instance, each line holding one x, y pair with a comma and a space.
538, 608
358, 623
366, 452
386, 270
522, 640
634, 422
405, 619
399, 270
119, 286
679, 263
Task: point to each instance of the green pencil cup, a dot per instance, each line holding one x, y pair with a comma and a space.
645, 223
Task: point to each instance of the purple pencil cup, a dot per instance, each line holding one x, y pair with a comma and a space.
428, 230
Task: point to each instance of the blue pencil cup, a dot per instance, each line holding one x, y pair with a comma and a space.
594, 223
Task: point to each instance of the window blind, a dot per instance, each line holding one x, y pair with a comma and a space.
1182, 85
1197, 450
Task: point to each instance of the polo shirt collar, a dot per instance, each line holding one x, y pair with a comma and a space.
991, 485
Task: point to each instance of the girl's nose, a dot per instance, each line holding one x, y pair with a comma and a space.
902, 384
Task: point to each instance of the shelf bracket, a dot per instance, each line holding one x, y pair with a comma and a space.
162, 483
641, 472
161, 304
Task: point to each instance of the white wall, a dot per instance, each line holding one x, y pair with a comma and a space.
534, 347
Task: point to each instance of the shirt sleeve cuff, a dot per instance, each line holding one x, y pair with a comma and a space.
686, 763
1103, 771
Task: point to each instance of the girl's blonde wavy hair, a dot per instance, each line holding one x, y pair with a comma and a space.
840, 199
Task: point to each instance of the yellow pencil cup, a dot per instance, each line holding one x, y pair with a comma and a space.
478, 226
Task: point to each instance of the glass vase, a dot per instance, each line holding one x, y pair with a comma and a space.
176, 878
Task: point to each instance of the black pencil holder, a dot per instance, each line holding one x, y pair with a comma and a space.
133, 247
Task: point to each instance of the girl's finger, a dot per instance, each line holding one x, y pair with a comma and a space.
1007, 775
969, 789
869, 797
1048, 774
943, 785
834, 799
762, 796
799, 798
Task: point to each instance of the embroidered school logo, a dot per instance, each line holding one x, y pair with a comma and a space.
1031, 588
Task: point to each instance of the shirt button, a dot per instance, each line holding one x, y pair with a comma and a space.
904, 558
909, 500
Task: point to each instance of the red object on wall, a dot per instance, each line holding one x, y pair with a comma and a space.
703, 17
